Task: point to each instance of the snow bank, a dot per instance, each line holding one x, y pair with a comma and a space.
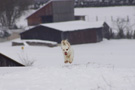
70, 77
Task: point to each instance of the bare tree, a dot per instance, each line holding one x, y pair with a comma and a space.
134, 35
10, 10
130, 1
129, 35
122, 26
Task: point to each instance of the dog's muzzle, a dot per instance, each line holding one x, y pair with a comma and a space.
65, 53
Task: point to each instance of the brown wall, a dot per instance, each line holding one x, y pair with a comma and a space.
82, 36
36, 19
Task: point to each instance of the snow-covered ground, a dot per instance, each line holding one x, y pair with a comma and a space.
107, 13
107, 65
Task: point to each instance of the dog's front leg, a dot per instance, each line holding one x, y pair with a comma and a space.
66, 60
71, 60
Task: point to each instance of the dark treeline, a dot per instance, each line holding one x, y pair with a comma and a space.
99, 3
92, 3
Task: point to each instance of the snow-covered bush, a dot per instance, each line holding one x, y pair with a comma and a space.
4, 33
1, 33
123, 29
134, 35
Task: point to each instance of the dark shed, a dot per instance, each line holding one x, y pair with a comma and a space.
6, 61
76, 32
53, 11
42, 33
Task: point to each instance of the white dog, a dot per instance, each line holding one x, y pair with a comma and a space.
67, 51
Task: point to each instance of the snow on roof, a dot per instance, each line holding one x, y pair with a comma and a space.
39, 9
33, 40
6, 55
73, 25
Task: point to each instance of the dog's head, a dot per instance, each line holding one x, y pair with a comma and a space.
65, 45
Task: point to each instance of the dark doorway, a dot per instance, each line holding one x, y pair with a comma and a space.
47, 19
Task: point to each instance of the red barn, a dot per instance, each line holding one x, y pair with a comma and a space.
53, 11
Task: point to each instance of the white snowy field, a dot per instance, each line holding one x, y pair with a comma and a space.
107, 65
107, 13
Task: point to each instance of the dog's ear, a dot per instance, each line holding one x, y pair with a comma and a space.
68, 43
63, 42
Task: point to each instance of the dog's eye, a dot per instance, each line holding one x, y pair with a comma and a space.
66, 49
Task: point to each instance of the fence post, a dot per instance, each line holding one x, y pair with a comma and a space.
96, 18
112, 18
127, 18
